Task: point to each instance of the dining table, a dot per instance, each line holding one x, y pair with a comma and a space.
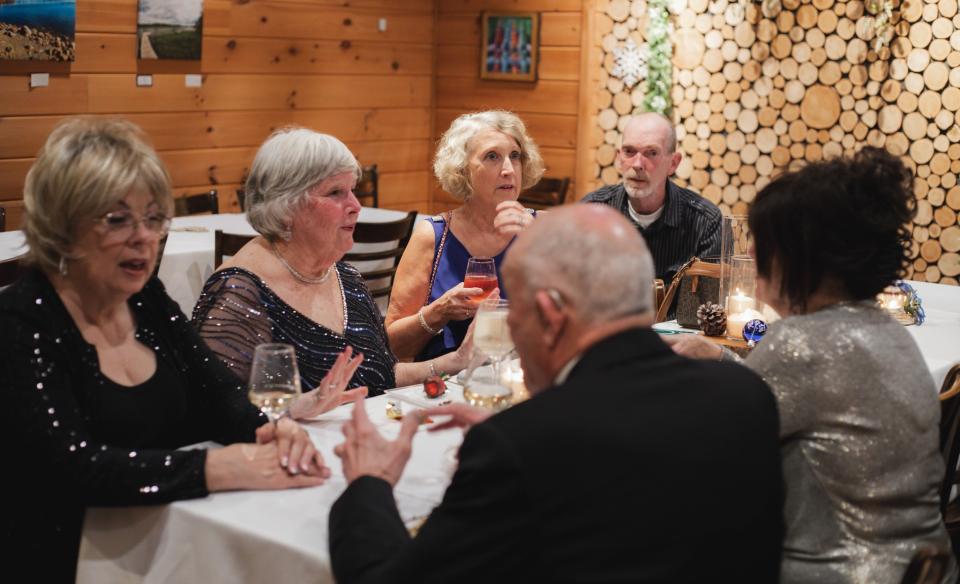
264, 536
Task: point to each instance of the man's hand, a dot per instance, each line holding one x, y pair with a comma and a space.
366, 452
461, 416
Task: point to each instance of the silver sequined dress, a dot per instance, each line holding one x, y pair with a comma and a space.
859, 423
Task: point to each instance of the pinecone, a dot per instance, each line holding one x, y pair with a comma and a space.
712, 319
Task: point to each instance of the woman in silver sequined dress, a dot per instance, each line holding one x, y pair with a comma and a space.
858, 408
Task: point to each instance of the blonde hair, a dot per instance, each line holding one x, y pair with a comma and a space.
450, 164
287, 165
83, 169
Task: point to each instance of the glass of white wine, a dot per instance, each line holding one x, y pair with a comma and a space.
274, 379
491, 336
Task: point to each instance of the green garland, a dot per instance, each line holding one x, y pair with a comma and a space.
659, 58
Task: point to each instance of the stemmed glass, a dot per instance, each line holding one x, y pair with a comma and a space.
481, 273
491, 336
274, 379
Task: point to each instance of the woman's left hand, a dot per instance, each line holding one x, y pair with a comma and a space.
330, 393
511, 217
295, 450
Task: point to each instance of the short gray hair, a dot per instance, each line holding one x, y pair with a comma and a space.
605, 274
291, 162
671, 134
450, 164
83, 169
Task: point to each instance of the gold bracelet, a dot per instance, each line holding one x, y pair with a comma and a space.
426, 327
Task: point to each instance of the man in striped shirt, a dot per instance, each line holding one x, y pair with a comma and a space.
676, 223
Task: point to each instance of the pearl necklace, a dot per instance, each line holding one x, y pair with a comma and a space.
305, 279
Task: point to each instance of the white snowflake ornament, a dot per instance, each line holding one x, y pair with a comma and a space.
630, 63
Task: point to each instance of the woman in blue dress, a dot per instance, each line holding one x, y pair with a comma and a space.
484, 160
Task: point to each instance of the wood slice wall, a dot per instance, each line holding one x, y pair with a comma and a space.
757, 93
549, 107
319, 63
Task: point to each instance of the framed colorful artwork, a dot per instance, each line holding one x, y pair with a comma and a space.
510, 48
37, 30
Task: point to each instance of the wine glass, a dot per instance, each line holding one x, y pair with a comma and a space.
274, 379
491, 336
481, 273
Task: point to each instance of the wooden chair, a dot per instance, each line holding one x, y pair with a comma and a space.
242, 199
196, 204
227, 244
927, 567
369, 186
3, 219
549, 192
10, 270
950, 449
392, 231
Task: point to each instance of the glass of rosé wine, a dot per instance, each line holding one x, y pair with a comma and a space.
481, 273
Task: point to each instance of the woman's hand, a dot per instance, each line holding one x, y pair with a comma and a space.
695, 347
254, 466
295, 450
330, 393
455, 304
511, 218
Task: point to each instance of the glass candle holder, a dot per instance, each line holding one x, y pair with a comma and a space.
893, 300
738, 275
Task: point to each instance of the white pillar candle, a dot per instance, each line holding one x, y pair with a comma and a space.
739, 303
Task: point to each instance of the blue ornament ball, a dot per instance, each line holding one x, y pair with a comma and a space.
754, 330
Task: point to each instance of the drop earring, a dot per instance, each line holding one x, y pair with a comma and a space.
63, 266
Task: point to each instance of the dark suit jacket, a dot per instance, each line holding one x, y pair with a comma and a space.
643, 467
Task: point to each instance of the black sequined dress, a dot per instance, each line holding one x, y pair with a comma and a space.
238, 311
73, 438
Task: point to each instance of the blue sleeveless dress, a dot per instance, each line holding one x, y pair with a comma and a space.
450, 272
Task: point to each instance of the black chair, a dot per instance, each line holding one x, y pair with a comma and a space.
380, 279
928, 566
369, 186
3, 219
549, 192
10, 270
242, 199
227, 244
197, 204
950, 449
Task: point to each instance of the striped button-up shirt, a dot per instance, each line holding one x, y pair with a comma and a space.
689, 226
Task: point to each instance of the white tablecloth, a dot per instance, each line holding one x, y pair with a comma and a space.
258, 536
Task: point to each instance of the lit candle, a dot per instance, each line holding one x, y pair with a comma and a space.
736, 321
739, 303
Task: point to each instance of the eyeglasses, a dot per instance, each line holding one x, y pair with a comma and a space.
120, 225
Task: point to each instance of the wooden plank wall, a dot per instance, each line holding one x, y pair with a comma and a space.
549, 107
266, 64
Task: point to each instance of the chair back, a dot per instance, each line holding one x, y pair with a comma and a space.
928, 566
379, 275
950, 438
227, 244
197, 204
242, 200
549, 192
10, 270
3, 219
368, 187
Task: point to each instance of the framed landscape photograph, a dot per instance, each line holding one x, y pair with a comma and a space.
170, 29
38, 30
510, 46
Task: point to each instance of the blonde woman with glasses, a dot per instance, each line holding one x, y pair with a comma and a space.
103, 377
